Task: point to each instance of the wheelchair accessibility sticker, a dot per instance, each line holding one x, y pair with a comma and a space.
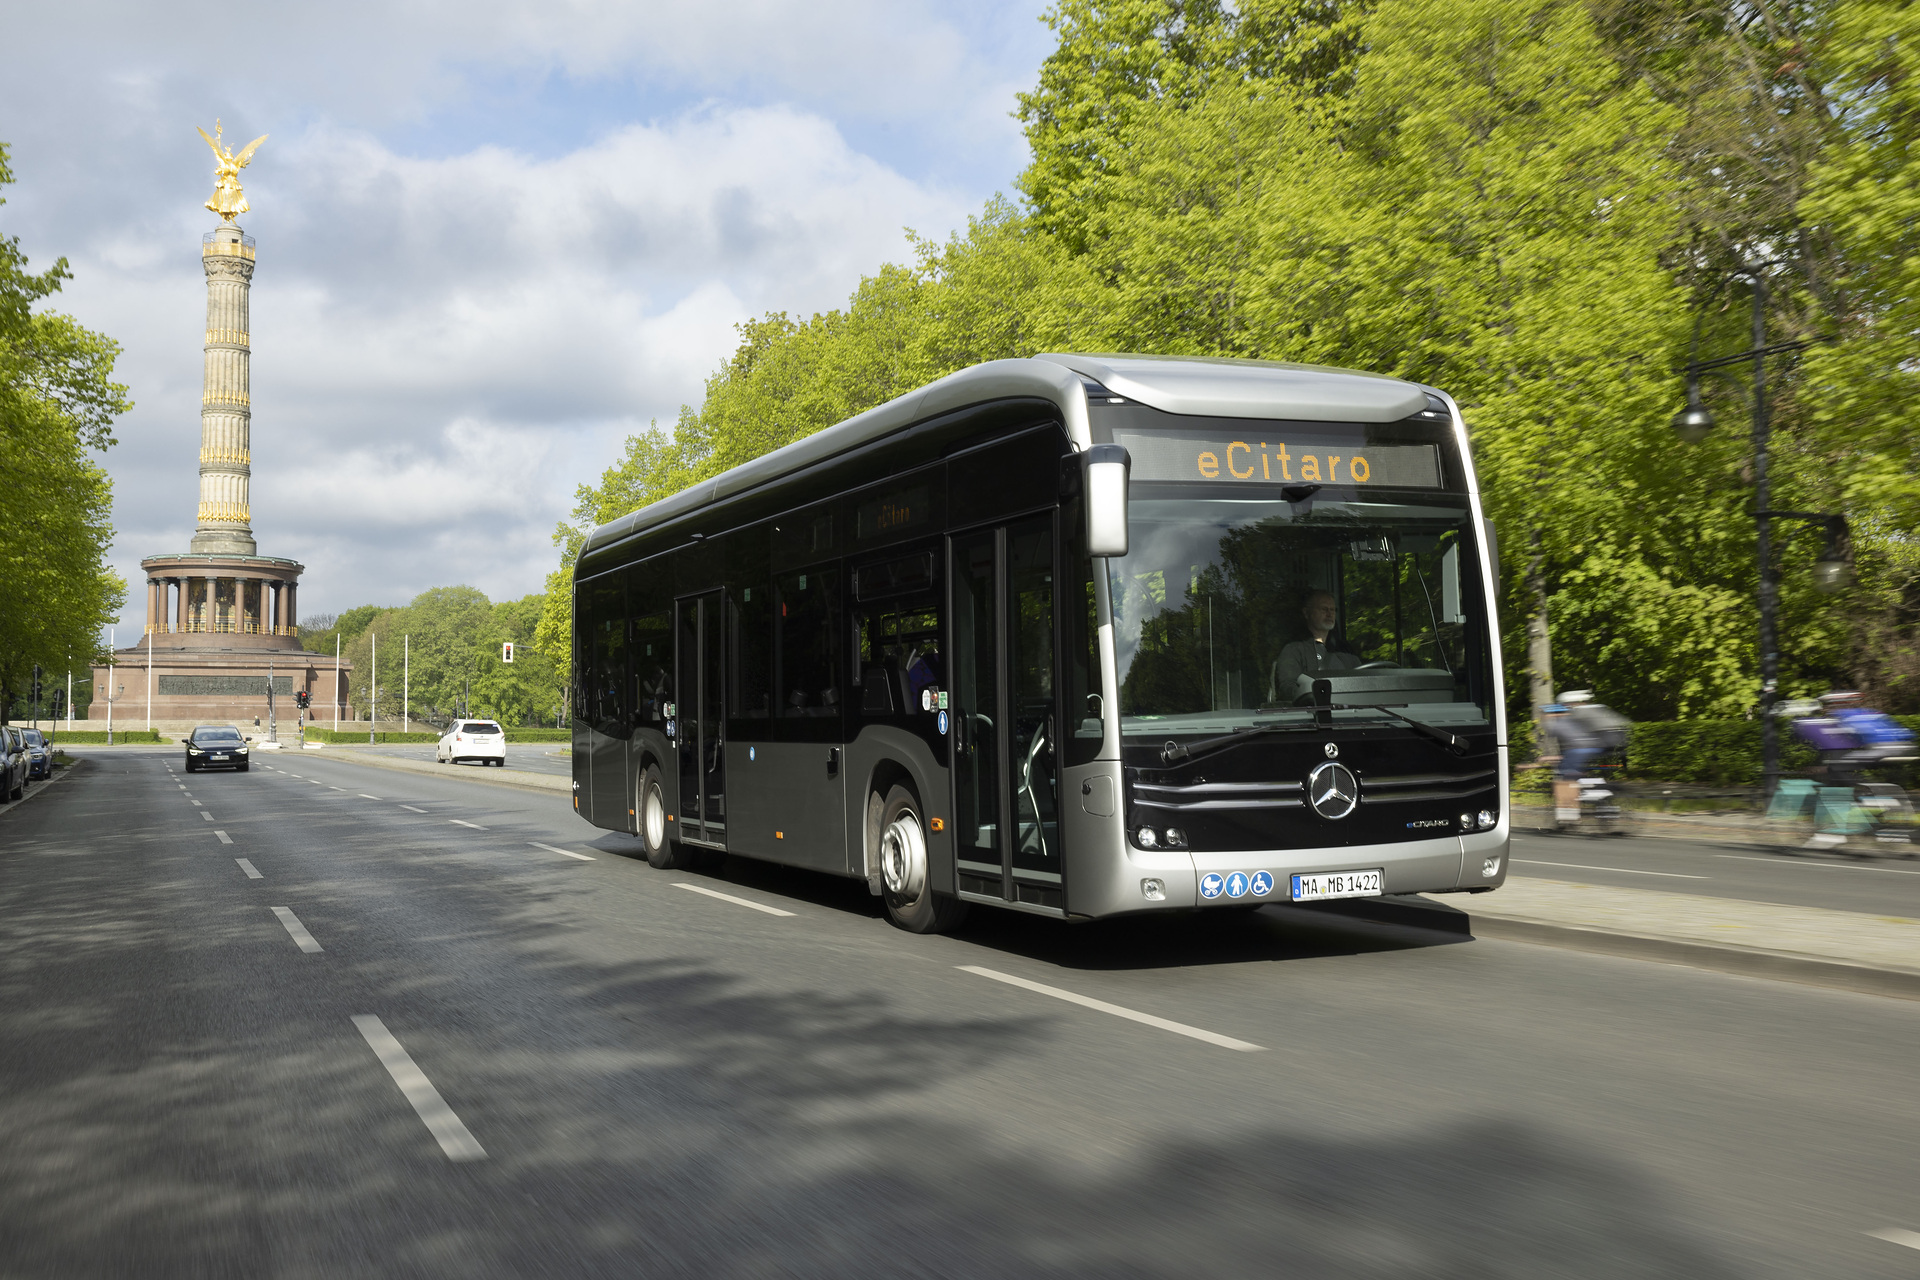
1211, 884
1262, 884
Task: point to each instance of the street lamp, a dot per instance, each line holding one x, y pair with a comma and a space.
1830, 571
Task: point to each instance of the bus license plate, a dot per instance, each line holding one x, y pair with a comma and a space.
1336, 884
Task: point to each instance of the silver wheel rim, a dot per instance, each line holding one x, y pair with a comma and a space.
655, 818
903, 857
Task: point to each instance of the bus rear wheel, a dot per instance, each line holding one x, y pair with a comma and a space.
911, 901
662, 851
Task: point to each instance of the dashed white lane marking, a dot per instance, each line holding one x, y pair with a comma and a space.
441, 1122
1894, 1235
1134, 1015
343, 789
298, 930
193, 802
206, 815
1830, 866
727, 897
1625, 871
569, 853
316, 782
224, 837
365, 796
248, 868
458, 823
411, 809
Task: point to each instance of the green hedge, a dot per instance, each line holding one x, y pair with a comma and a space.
539, 735
84, 737
1723, 753
347, 737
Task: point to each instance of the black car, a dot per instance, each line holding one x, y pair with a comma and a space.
13, 764
39, 754
216, 746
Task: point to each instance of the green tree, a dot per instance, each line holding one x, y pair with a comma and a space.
57, 405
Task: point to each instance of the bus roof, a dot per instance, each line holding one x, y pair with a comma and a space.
1197, 385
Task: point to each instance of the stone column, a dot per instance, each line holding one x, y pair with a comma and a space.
293, 605
150, 609
225, 520
212, 617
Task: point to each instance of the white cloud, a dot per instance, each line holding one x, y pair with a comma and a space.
495, 238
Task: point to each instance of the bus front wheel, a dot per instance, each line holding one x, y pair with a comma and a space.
662, 852
911, 901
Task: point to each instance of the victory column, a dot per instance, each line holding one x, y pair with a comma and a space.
221, 616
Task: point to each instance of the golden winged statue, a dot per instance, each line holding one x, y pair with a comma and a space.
229, 201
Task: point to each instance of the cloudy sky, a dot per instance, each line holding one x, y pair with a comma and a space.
495, 238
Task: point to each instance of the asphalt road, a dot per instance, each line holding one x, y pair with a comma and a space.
451, 1029
535, 757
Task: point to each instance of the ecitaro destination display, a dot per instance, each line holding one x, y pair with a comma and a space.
1186, 455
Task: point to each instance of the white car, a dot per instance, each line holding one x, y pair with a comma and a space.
481, 740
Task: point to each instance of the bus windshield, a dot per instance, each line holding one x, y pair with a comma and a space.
1228, 610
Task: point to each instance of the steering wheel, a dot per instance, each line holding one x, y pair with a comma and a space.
1372, 666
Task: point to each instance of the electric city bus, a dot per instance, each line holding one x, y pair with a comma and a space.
1074, 635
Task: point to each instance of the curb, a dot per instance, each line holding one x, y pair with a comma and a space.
559, 786
1741, 961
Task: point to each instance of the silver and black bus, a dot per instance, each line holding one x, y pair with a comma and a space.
1074, 635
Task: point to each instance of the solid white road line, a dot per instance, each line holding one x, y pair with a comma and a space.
248, 868
224, 837
411, 809
1625, 871
1894, 1235
1178, 1028
298, 930
550, 849
461, 823
1830, 866
432, 1109
727, 897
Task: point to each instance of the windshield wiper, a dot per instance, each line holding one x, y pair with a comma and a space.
1176, 751
1173, 751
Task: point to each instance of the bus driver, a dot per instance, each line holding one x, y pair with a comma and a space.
1309, 657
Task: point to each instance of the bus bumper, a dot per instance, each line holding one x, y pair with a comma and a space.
1167, 879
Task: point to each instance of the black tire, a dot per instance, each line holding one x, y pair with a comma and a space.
663, 851
905, 873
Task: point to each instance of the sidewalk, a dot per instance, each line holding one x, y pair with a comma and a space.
1850, 950
1738, 828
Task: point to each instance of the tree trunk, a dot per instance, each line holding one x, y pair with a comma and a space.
1539, 642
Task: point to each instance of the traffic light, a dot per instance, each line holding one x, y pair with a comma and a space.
302, 699
36, 684
506, 651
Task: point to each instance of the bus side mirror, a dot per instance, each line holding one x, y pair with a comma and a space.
1108, 467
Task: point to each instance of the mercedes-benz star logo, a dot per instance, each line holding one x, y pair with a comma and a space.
1332, 790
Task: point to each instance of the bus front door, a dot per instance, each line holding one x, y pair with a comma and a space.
700, 720
1006, 814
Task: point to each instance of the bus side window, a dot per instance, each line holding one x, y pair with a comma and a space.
652, 668
750, 656
899, 654
808, 683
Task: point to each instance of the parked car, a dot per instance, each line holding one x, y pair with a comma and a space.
481, 740
13, 763
216, 746
39, 754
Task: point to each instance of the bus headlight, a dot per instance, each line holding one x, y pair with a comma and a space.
1147, 838
1466, 822
1176, 838
1491, 867
1487, 818
1153, 890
